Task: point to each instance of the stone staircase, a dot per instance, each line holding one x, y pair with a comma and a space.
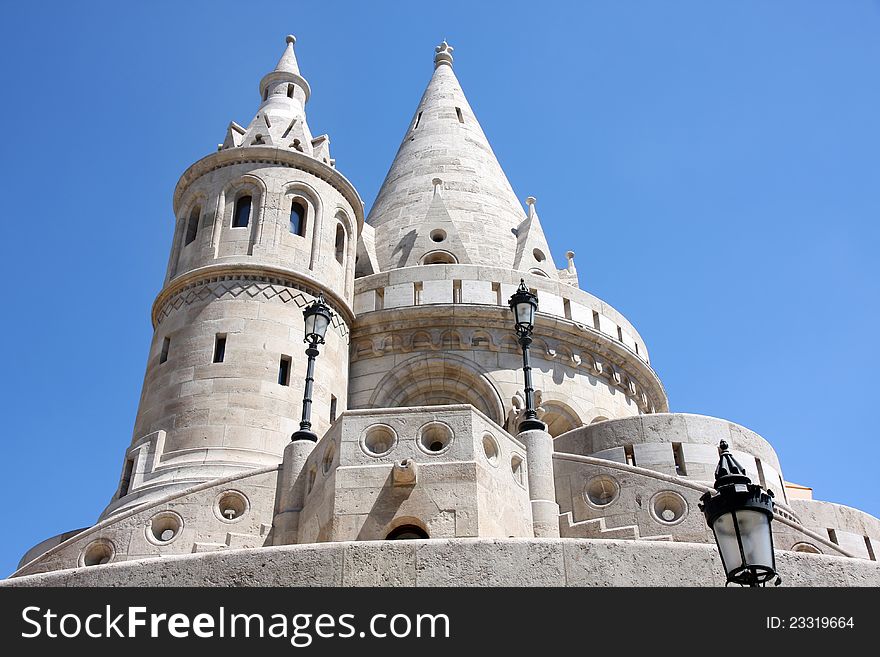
596, 528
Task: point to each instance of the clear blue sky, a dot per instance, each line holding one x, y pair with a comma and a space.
715, 167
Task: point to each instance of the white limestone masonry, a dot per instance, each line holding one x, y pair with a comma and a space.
418, 393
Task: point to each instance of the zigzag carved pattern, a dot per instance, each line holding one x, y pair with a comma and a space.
230, 286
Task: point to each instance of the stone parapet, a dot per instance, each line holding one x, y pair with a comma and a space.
458, 562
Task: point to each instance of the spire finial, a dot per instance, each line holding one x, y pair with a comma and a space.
290, 39
530, 201
443, 54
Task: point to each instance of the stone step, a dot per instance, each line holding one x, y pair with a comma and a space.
235, 540
207, 547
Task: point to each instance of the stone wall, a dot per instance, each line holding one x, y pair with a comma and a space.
458, 562
854, 530
678, 444
493, 286
235, 512
448, 470
454, 354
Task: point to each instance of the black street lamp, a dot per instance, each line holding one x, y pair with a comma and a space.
317, 316
524, 304
739, 514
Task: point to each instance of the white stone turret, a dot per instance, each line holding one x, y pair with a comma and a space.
474, 200
264, 225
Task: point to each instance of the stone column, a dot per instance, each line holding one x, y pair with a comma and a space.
542, 489
291, 493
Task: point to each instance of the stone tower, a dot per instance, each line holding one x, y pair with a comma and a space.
423, 361
262, 227
447, 231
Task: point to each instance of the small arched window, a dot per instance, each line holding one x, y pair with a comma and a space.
439, 258
340, 243
192, 225
242, 214
406, 532
297, 218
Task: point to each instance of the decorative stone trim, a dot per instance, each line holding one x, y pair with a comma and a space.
397, 338
249, 287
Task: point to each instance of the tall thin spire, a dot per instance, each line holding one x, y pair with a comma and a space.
445, 141
288, 63
281, 119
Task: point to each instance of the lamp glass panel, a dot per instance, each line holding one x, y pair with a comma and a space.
320, 324
310, 324
525, 313
754, 527
728, 546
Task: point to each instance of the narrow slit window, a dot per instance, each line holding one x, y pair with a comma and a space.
760, 468
340, 243
870, 548
619, 334
125, 484
566, 308
458, 113
418, 120
332, 408
678, 455
832, 536
166, 345
242, 214
630, 454
219, 347
456, 291
192, 225
595, 320
290, 90
297, 218
284, 371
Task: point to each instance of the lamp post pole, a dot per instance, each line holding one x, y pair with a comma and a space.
524, 304
317, 316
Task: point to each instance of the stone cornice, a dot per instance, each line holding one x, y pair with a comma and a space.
576, 338
271, 155
259, 272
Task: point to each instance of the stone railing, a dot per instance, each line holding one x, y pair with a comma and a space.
491, 286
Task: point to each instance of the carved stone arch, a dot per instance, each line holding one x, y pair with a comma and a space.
559, 417
509, 343
540, 348
349, 248
439, 257
436, 379
192, 199
314, 214
364, 348
597, 414
391, 344
482, 339
251, 185
450, 339
421, 340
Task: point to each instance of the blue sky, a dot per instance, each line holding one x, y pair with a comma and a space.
714, 166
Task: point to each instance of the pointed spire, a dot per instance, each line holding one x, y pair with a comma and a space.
286, 73
280, 121
445, 140
288, 63
532, 250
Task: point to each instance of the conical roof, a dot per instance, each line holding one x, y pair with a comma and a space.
445, 141
287, 63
